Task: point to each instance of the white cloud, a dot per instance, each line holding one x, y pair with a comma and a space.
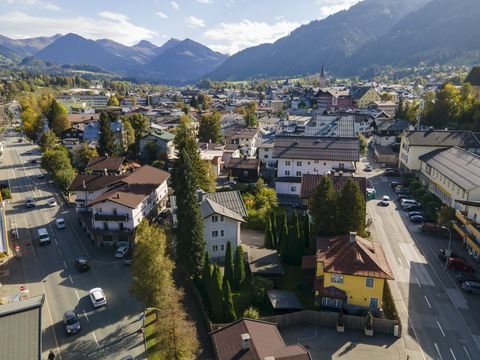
329, 7
205, 1
174, 5
162, 15
194, 22
108, 24
33, 3
230, 38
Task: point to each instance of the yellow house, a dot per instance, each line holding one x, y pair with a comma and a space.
350, 273
364, 96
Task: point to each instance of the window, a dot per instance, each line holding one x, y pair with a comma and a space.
315, 161
287, 172
333, 303
105, 226
222, 233
215, 248
324, 164
369, 282
215, 233
245, 173
222, 247
293, 188
299, 173
214, 218
114, 211
309, 163
265, 156
341, 165
287, 162
299, 163
315, 169
222, 218
337, 278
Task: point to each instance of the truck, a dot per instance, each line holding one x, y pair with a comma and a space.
433, 229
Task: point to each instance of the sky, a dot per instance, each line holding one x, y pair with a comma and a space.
227, 26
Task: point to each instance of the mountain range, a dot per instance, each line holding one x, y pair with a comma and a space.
369, 35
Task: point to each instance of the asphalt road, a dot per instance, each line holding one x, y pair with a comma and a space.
107, 333
442, 322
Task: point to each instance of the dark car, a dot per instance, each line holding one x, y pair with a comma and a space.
71, 322
417, 219
34, 161
392, 172
459, 264
412, 208
394, 184
432, 228
471, 287
462, 277
401, 197
442, 255
415, 213
82, 264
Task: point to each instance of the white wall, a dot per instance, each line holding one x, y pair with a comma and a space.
231, 232
288, 188
290, 167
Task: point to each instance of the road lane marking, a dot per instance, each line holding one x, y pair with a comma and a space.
400, 263
441, 330
76, 293
438, 351
466, 352
95, 338
418, 282
65, 264
428, 302
453, 355
86, 316
70, 277
59, 251
56, 242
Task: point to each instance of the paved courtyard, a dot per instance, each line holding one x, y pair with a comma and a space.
325, 343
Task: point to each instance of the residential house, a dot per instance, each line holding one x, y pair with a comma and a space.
334, 99
468, 226
388, 132
310, 183
222, 212
350, 273
416, 143
91, 132
247, 339
74, 132
452, 174
159, 140
388, 107
246, 139
363, 96
213, 154
105, 165
244, 169
265, 151
122, 202
299, 155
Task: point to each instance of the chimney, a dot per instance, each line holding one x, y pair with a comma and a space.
353, 237
105, 172
245, 341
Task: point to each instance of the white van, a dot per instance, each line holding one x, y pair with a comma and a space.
60, 223
43, 236
29, 202
407, 202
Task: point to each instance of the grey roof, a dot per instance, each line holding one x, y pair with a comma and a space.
459, 165
210, 207
442, 138
230, 199
316, 148
392, 125
21, 329
284, 300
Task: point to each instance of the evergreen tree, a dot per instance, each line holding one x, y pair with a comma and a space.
284, 239
228, 273
228, 309
351, 209
216, 296
106, 142
206, 271
306, 230
323, 208
273, 223
268, 237
239, 269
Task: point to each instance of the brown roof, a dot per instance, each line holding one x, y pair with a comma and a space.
310, 183
242, 163
100, 163
360, 257
81, 118
128, 195
147, 175
93, 182
316, 148
265, 341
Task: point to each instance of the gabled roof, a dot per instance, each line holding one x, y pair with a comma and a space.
316, 148
265, 341
162, 135
210, 207
241, 163
442, 138
100, 163
230, 199
311, 181
358, 91
93, 182
360, 257
247, 133
127, 195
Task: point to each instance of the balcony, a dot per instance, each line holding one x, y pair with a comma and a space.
471, 226
111, 217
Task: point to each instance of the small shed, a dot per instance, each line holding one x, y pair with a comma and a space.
266, 263
284, 301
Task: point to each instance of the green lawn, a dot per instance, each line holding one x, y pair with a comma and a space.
151, 339
295, 281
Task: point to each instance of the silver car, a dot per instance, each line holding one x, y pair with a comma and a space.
71, 322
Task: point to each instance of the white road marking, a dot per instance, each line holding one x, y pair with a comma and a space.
428, 302
76, 293
95, 338
59, 251
418, 282
65, 264
86, 316
400, 263
56, 242
441, 330
438, 351
71, 280
453, 355
466, 352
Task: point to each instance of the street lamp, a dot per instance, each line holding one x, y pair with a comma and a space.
449, 249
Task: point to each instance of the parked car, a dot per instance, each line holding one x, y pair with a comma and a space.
40, 176
442, 255
71, 322
417, 219
34, 161
471, 287
385, 200
97, 296
392, 172
121, 252
403, 192
459, 264
394, 184
30, 202
402, 197
368, 168
462, 277
399, 188
407, 202
416, 213
82, 264
412, 208
52, 202
432, 228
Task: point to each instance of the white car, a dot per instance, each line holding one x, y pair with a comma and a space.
385, 200
52, 202
97, 296
121, 252
60, 223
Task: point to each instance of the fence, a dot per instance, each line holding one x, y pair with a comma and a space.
325, 318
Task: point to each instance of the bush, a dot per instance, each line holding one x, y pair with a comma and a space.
251, 313
407, 179
6, 194
418, 194
260, 286
414, 186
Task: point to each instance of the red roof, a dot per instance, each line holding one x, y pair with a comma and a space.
310, 183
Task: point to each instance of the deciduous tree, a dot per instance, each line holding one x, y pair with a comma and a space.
81, 155
210, 128
48, 141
